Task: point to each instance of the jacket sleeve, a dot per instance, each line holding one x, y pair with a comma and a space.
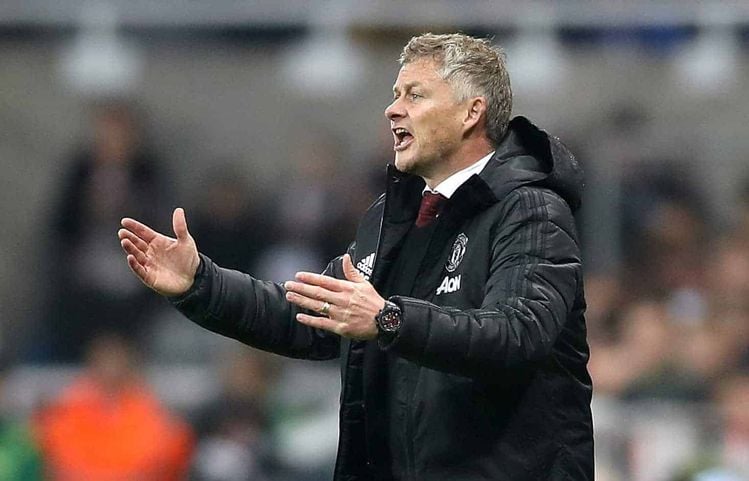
255, 312
533, 280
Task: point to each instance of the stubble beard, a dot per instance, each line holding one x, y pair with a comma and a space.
429, 165
413, 164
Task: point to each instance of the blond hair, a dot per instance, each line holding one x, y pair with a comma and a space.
473, 67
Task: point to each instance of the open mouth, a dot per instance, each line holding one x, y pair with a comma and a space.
403, 138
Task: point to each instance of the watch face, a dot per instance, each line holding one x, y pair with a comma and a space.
389, 318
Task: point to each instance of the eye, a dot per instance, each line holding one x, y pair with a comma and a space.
415, 96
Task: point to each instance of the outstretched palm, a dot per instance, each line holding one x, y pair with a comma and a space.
164, 264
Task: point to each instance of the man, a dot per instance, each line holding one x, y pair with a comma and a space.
457, 312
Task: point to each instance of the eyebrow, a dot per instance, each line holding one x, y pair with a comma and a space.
407, 86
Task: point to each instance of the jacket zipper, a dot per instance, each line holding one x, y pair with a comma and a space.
340, 422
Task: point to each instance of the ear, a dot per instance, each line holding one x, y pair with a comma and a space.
475, 112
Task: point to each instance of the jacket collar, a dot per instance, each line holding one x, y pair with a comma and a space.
525, 156
405, 191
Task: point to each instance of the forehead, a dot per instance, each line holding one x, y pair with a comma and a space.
419, 71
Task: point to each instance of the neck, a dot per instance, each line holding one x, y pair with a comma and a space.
467, 156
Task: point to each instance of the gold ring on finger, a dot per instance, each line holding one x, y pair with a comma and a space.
325, 309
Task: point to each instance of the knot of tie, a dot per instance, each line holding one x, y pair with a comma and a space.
431, 206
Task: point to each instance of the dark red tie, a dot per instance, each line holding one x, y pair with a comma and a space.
431, 206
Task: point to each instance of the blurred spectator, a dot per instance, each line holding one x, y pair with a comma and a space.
607, 298
234, 442
664, 231
309, 207
19, 455
726, 457
108, 425
733, 405
728, 275
112, 176
640, 363
742, 228
230, 222
707, 353
639, 351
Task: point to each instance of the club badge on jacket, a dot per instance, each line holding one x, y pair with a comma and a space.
452, 283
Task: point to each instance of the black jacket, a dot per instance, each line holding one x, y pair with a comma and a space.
487, 376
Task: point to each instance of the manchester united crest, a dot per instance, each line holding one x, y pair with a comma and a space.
459, 250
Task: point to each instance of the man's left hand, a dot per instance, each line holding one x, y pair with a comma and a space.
347, 307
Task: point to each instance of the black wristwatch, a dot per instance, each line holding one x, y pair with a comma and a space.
389, 318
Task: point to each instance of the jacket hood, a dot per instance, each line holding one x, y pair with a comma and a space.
528, 155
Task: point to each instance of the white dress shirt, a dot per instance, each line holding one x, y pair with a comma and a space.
448, 186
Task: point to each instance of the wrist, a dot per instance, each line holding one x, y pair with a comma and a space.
195, 269
190, 283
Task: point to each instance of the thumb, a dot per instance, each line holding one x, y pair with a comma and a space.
179, 224
351, 273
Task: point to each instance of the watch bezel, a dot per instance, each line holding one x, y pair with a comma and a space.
389, 318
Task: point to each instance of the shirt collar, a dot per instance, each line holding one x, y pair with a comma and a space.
448, 186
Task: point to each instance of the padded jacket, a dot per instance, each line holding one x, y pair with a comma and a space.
487, 377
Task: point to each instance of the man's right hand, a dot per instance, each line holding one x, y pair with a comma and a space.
164, 264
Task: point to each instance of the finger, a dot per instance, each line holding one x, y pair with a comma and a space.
141, 230
131, 250
326, 282
139, 243
137, 268
179, 224
351, 272
314, 292
319, 322
309, 303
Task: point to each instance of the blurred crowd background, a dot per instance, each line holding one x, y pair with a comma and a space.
264, 121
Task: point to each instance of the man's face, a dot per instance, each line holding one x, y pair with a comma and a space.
426, 120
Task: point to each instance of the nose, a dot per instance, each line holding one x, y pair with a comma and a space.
394, 110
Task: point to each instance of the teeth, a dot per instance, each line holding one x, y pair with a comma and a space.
401, 131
